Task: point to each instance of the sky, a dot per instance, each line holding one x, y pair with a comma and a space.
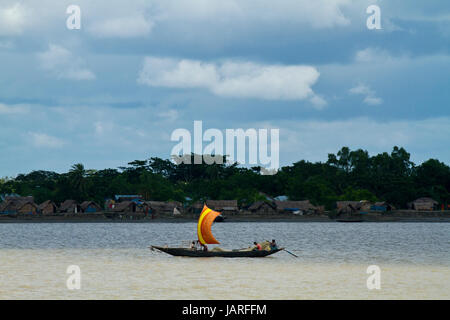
114, 90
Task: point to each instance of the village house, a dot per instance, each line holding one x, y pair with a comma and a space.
195, 208
125, 207
296, 207
47, 208
90, 207
69, 206
223, 206
381, 206
130, 210
19, 206
350, 207
423, 204
142, 208
165, 208
263, 208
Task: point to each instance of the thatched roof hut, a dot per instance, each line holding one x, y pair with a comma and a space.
345, 204
353, 206
69, 206
47, 207
196, 207
423, 204
292, 206
223, 205
263, 207
166, 208
90, 206
382, 206
18, 205
125, 206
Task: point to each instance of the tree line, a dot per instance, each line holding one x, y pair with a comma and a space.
346, 175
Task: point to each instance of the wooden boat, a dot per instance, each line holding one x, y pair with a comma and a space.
185, 252
205, 221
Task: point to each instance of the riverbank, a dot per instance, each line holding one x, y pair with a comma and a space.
397, 216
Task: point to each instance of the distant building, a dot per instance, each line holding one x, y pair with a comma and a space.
296, 207
223, 206
19, 205
125, 206
47, 208
263, 207
195, 208
382, 206
164, 208
143, 207
90, 206
423, 204
350, 207
69, 206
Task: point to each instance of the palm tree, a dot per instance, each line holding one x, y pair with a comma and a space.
77, 180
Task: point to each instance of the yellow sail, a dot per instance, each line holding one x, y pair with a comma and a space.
205, 222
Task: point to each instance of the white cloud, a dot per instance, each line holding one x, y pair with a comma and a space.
62, 64
318, 101
234, 79
16, 109
12, 19
373, 100
169, 115
122, 27
160, 72
370, 95
372, 54
44, 140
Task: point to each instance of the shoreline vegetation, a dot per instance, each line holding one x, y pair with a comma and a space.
348, 187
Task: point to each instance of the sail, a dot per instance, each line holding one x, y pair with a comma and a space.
205, 222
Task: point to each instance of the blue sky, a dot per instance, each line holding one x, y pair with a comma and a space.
114, 91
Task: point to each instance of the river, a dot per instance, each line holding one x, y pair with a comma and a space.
115, 262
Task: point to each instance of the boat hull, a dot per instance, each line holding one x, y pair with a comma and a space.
183, 252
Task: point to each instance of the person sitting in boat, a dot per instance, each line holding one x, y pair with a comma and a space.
204, 247
193, 246
273, 245
257, 246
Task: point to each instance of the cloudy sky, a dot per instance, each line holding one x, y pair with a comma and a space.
115, 90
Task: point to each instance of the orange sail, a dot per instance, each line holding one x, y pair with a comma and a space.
205, 222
